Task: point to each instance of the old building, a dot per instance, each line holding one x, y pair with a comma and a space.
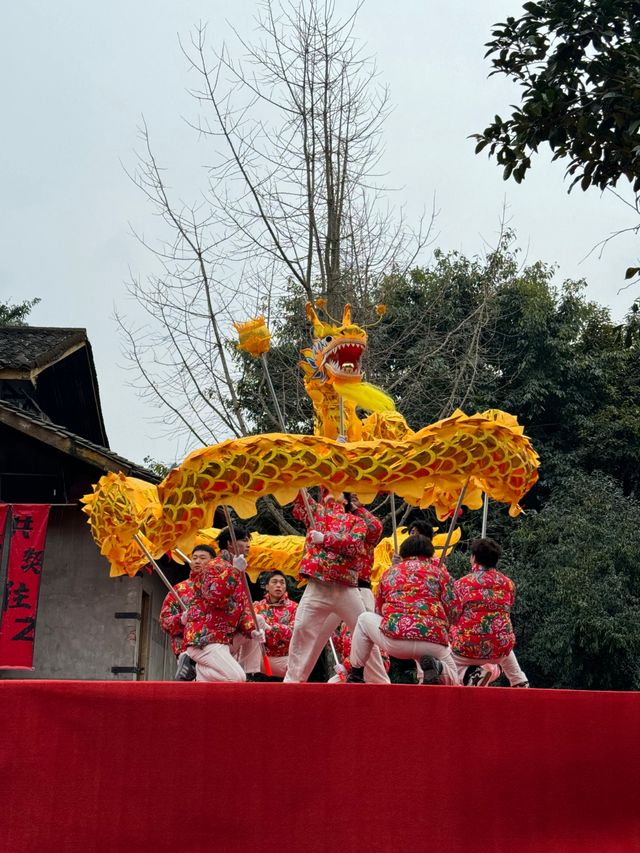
53, 447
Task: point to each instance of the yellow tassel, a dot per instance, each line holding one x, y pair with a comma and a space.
367, 396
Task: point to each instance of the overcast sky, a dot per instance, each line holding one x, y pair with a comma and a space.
79, 75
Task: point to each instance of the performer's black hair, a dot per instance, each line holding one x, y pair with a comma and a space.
207, 548
422, 527
487, 552
416, 546
224, 537
273, 575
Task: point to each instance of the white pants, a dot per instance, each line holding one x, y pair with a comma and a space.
509, 664
368, 637
220, 662
322, 607
278, 665
367, 599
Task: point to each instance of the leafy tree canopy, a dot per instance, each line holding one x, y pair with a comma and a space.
578, 64
14, 315
577, 569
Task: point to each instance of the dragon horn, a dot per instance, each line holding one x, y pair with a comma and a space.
312, 317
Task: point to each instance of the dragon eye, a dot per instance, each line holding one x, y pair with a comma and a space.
328, 339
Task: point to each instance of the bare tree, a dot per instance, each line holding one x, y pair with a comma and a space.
293, 203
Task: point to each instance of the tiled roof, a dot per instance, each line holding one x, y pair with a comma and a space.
31, 348
68, 442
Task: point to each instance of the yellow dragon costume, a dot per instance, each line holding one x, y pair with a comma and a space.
488, 452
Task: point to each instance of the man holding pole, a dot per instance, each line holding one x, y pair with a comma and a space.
279, 613
330, 561
219, 631
482, 640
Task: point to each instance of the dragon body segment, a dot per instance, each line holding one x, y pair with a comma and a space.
427, 468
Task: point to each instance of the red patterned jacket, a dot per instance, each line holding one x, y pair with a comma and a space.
417, 601
374, 529
344, 537
171, 612
280, 617
484, 630
219, 608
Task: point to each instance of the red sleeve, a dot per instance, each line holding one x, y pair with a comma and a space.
380, 592
170, 614
450, 599
373, 525
216, 587
300, 511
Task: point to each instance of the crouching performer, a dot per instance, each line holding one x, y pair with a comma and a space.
219, 633
416, 603
483, 640
279, 613
330, 561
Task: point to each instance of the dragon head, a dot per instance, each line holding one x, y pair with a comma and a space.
337, 350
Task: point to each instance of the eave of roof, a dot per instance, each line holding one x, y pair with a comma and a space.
28, 366
73, 445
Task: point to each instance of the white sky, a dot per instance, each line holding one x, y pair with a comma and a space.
78, 76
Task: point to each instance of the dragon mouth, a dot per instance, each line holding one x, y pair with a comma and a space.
343, 359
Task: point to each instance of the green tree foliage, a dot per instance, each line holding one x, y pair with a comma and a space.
577, 569
577, 64
160, 469
15, 315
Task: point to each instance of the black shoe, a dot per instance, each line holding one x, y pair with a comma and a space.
431, 670
403, 671
186, 669
522, 684
356, 676
476, 676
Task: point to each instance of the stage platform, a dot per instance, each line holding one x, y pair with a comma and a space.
245, 768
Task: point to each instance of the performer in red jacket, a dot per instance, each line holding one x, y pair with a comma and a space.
482, 641
416, 603
171, 622
333, 548
171, 613
279, 613
218, 624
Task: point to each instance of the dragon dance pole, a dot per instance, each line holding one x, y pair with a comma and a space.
485, 513
161, 574
274, 397
333, 652
342, 436
394, 524
232, 534
452, 526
